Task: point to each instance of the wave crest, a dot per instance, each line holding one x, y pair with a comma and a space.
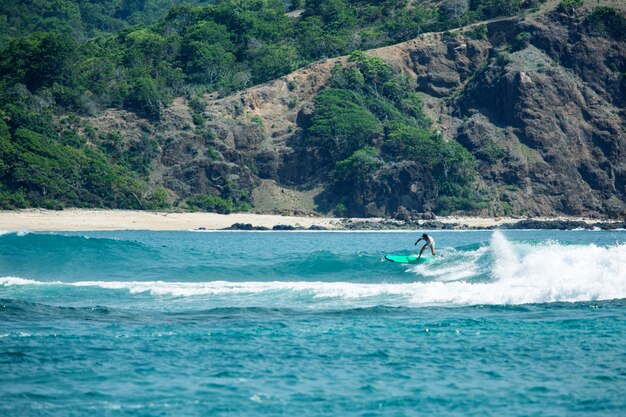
498, 273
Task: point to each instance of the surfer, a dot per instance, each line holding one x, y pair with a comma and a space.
430, 243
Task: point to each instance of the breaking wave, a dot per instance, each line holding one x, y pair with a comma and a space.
497, 272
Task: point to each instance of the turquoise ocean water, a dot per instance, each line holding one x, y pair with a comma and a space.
516, 323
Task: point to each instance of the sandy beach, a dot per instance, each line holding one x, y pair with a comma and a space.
82, 219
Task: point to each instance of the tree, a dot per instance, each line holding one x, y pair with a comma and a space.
272, 61
492, 8
607, 21
144, 98
357, 166
341, 123
454, 9
568, 5
39, 60
206, 63
335, 14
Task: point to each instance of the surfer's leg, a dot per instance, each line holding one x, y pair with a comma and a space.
432, 249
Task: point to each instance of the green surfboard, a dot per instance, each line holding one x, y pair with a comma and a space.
400, 259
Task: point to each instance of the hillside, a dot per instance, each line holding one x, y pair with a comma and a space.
81, 19
521, 115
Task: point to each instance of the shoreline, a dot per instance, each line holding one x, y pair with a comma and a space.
41, 220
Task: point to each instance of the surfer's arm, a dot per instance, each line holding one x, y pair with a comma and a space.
417, 241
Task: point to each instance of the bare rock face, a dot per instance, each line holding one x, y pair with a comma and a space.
596, 60
445, 66
438, 62
553, 138
401, 187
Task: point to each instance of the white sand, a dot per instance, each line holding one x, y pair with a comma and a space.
80, 219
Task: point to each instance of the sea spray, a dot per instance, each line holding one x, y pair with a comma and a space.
549, 271
453, 264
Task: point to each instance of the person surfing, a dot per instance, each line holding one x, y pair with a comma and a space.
430, 243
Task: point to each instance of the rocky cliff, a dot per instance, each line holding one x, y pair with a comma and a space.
539, 101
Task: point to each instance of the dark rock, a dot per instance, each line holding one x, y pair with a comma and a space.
433, 225
245, 226
286, 227
427, 216
402, 214
406, 184
305, 116
610, 226
548, 224
317, 227
267, 164
442, 66
552, 134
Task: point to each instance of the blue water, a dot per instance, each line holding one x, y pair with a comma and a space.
516, 323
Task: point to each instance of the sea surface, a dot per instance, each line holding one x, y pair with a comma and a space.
138, 323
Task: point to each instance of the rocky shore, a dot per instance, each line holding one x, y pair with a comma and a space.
388, 224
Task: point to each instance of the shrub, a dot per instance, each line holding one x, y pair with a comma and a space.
357, 166
342, 123
606, 21
477, 33
140, 155
341, 210
213, 154
257, 119
197, 103
522, 40
144, 98
567, 5
198, 119
213, 203
493, 151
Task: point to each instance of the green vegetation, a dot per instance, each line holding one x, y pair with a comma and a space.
357, 166
213, 203
493, 151
213, 154
51, 47
341, 123
370, 117
477, 33
81, 19
67, 57
257, 119
522, 40
341, 210
608, 22
37, 170
567, 5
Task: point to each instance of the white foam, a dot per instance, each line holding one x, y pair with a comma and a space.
520, 274
554, 272
9, 281
415, 294
464, 265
